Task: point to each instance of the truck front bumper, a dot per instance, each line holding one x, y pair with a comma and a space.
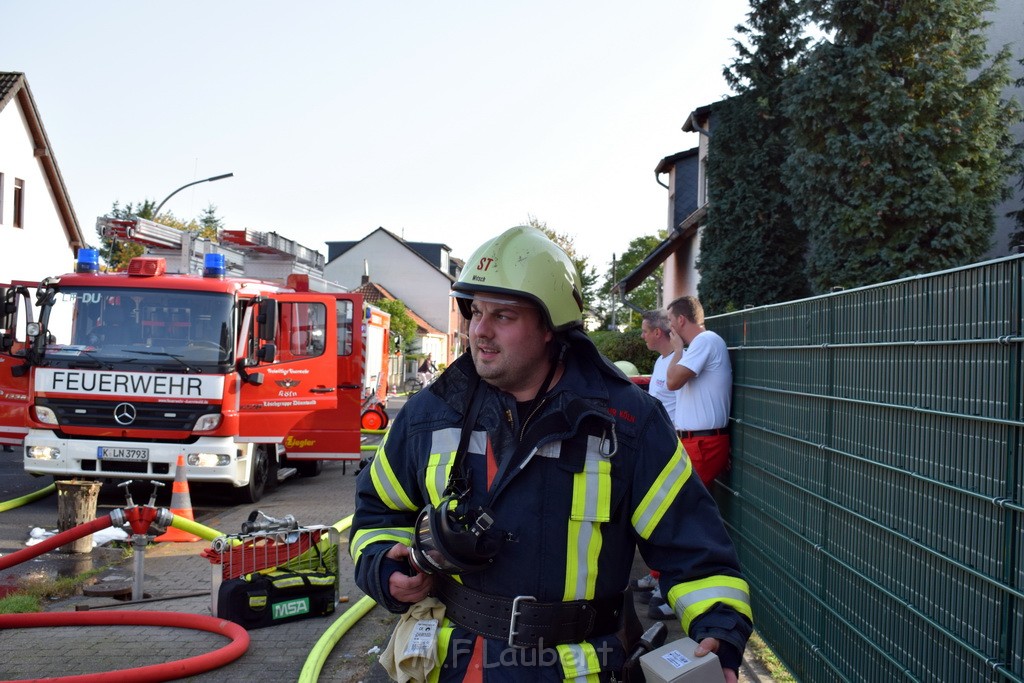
209, 459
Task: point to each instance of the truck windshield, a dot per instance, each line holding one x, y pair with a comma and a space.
141, 326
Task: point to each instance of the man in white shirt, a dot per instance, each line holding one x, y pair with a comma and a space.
656, 333
703, 375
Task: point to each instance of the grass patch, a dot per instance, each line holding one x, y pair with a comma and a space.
778, 671
30, 594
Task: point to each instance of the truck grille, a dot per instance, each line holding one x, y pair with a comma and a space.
101, 414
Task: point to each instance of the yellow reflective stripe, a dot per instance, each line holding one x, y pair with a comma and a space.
365, 537
444, 637
592, 488
443, 445
439, 467
579, 661
591, 505
386, 483
290, 582
582, 550
663, 491
320, 580
694, 598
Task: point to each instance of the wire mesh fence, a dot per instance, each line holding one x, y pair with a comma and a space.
877, 488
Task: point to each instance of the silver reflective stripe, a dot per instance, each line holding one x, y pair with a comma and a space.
656, 506
478, 442
447, 441
371, 536
443, 445
696, 597
368, 536
592, 509
386, 484
584, 537
444, 440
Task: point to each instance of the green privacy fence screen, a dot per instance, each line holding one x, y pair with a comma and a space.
876, 492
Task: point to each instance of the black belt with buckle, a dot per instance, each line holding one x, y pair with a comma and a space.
702, 432
524, 622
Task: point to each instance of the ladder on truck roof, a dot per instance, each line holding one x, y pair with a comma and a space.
247, 253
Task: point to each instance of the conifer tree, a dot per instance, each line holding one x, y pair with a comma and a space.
752, 251
901, 145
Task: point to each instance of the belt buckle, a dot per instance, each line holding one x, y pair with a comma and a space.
512, 632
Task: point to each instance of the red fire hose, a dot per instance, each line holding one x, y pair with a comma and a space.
55, 541
154, 672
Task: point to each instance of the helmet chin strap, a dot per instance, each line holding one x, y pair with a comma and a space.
557, 356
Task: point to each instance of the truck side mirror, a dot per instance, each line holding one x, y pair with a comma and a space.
266, 320
267, 353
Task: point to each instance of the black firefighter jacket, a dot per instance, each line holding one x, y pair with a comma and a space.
596, 472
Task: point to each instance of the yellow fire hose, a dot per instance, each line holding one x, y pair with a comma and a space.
29, 498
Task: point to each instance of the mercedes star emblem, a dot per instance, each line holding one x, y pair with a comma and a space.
124, 414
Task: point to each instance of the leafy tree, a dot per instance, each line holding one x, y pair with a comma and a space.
645, 296
900, 140
752, 249
628, 345
588, 274
403, 327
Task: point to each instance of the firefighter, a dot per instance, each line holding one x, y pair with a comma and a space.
515, 490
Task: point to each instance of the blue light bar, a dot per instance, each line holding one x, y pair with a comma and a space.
213, 265
88, 261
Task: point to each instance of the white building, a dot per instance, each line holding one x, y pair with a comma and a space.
420, 274
39, 233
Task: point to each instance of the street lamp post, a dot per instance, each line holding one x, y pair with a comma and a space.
156, 212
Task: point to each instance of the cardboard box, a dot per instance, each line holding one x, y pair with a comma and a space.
676, 663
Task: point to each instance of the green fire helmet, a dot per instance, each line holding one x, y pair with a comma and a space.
522, 261
628, 369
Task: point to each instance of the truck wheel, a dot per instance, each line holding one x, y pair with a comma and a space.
309, 468
260, 470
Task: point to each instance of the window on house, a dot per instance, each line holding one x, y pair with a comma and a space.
1, 198
19, 203
702, 187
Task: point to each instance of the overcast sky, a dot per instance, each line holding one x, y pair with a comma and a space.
439, 121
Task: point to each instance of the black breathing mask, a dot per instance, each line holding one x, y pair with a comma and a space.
448, 539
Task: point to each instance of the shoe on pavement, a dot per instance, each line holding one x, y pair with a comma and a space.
659, 609
646, 596
645, 583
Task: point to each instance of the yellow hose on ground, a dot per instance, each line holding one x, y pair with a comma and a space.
30, 498
318, 655
195, 528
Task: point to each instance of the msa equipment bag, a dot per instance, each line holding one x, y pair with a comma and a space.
277, 597
274, 572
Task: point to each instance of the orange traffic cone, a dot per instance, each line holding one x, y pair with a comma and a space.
181, 506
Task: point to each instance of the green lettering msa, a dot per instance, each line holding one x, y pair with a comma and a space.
291, 608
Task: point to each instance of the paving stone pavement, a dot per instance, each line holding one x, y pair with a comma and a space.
178, 579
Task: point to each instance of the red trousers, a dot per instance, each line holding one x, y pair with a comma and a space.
709, 455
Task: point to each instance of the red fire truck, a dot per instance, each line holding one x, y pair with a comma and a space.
250, 379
